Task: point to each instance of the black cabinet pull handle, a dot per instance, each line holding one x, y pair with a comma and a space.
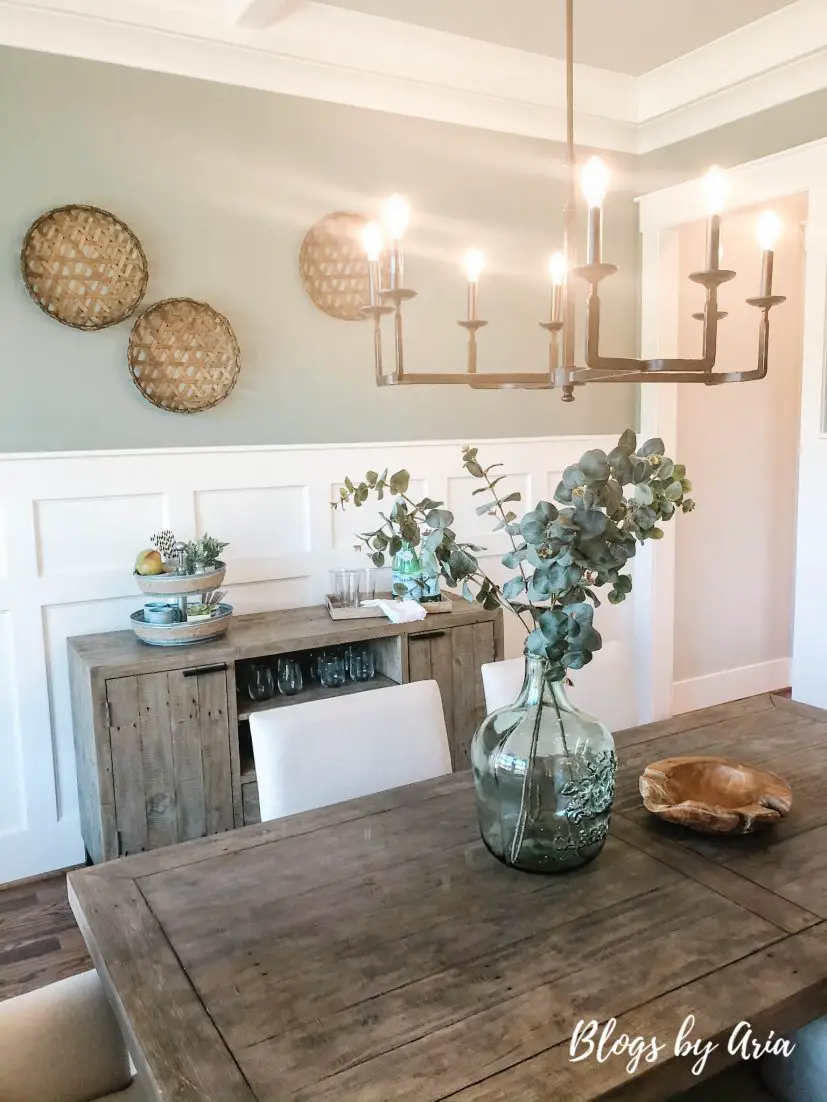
196, 671
427, 635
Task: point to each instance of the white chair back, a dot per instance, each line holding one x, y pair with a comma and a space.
604, 688
61, 1043
325, 751
502, 682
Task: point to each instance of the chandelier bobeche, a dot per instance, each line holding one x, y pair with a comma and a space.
562, 371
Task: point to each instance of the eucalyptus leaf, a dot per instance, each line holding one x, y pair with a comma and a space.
532, 530
513, 588
627, 441
513, 559
439, 518
400, 482
655, 446
594, 465
574, 477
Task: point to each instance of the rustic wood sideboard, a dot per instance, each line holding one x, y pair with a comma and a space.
161, 740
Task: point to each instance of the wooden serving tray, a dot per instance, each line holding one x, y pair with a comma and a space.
336, 613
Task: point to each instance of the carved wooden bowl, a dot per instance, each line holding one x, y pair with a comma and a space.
714, 795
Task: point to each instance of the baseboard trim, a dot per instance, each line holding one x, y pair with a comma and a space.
718, 688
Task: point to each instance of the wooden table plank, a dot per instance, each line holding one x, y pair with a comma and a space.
308, 822
795, 868
755, 897
692, 721
769, 981
177, 1050
375, 951
293, 967
427, 1039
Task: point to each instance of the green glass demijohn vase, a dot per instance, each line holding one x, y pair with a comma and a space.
544, 775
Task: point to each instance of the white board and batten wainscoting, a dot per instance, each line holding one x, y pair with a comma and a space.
71, 525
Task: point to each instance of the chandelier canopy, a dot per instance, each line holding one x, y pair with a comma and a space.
562, 371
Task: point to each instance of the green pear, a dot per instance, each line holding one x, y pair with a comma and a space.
149, 562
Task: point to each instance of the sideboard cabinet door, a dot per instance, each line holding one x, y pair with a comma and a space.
453, 658
171, 757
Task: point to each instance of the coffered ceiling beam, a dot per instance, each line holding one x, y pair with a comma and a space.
257, 15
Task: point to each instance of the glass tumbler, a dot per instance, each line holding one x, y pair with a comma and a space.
260, 682
332, 670
289, 676
345, 585
314, 664
361, 664
367, 583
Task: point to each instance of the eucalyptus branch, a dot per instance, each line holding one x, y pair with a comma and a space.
507, 519
560, 554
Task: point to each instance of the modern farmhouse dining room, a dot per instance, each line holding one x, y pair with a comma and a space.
411, 588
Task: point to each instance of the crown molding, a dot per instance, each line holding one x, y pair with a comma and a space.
318, 51
328, 53
764, 64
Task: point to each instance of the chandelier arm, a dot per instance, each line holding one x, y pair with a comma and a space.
485, 380
763, 358
647, 369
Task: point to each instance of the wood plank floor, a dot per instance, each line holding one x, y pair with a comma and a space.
39, 938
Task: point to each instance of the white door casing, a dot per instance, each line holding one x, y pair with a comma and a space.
799, 170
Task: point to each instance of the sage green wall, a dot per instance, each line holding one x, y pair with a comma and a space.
221, 184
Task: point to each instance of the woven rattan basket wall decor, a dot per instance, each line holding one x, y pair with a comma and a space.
333, 265
183, 355
84, 267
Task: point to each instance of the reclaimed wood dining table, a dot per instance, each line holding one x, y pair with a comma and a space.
374, 950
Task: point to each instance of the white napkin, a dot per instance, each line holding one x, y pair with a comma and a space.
398, 612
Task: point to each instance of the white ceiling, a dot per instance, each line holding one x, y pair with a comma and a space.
627, 36
648, 73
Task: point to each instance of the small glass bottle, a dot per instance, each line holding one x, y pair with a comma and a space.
410, 578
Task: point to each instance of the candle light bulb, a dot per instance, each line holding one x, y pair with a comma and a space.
397, 214
769, 229
715, 186
594, 181
557, 269
474, 264
372, 241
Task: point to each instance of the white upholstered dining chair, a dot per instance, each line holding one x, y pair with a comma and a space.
61, 1043
324, 751
502, 682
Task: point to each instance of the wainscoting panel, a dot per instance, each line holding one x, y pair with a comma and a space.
70, 526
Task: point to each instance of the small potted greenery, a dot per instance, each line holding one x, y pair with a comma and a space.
203, 554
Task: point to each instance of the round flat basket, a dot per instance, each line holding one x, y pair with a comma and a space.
183, 355
182, 635
333, 265
84, 267
174, 585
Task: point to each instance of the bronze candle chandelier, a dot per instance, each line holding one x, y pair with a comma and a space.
563, 372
